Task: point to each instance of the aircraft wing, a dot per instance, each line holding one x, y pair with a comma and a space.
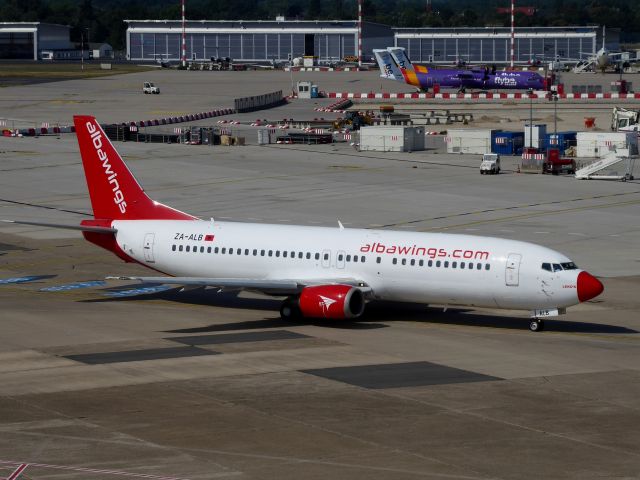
267, 286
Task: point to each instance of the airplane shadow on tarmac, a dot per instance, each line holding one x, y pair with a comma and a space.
375, 314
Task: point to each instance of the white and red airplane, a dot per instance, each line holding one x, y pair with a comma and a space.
324, 272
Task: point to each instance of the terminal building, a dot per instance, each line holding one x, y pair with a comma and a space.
492, 45
25, 40
255, 40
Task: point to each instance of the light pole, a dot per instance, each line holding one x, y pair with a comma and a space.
530, 92
555, 115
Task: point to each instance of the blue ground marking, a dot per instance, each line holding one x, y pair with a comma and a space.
30, 278
74, 286
132, 292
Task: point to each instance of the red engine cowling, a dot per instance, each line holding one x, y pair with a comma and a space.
331, 301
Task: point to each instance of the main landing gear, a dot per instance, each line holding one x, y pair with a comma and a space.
289, 310
536, 325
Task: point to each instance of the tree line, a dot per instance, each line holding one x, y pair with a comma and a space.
102, 20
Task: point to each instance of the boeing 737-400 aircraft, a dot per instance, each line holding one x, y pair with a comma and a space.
323, 272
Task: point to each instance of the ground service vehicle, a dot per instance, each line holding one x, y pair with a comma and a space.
555, 165
149, 87
490, 164
624, 120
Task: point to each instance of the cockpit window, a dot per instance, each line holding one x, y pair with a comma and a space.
557, 267
569, 266
547, 267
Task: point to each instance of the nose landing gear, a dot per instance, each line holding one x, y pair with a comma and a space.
536, 325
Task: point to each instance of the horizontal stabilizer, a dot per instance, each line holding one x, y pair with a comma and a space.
82, 228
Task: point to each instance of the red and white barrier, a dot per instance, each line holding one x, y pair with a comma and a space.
483, 96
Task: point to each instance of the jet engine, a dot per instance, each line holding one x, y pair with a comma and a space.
331, 301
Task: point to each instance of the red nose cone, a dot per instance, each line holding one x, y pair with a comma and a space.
588, 287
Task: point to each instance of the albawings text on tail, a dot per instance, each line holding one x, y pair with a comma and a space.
96, 138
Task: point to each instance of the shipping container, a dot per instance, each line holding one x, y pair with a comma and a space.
391, 139
507, 143
561, 141
537, 132
599, 144
469, 140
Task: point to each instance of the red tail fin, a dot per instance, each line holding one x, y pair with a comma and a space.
115, 193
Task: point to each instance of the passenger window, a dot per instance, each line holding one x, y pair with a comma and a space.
326, 256
216, 250
299, 254
180, 248
462, 265
255, 252
355, 258
362, 259
208, 249
308, 255
340, 257
378, 260
454, 265
201, 249
231, 251
430, 263
293, 254
271, 253
395, 261
277, 253
421, 263
224, 250
446, 264
413, 262
404, 261
557, 267
262, 253
438, 264
173, 248
348, 258
188, 248
479, 266
317, 256
487, 266
246, 251
284, 254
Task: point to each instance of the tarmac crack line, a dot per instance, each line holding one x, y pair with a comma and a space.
530, 215
515, 425
515, 207
262, 457
351, 437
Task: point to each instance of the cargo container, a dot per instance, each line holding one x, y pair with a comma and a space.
391, 139
561, 141
537, 133
599, 144
507, 143
469, 140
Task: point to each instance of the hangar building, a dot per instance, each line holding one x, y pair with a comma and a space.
25, 40
254, 40
493, 44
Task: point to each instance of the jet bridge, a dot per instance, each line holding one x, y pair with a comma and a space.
617, 165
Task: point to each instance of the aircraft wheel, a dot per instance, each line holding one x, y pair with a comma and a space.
289, 310
536, 325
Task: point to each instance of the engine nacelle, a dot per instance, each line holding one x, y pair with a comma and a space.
331, 301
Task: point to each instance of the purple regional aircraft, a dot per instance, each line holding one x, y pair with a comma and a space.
395, 65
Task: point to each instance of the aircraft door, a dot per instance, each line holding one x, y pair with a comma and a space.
340, 259
512, 272
149, 240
